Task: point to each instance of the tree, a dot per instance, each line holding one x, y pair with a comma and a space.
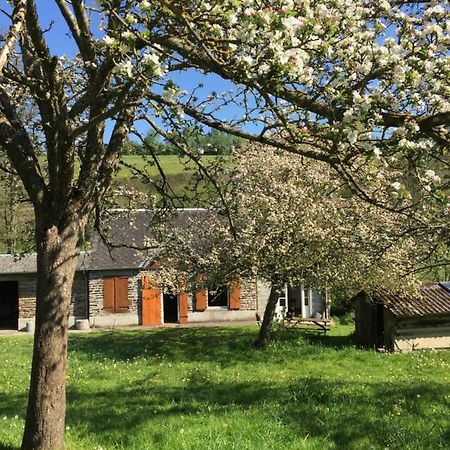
355, 91
293, 221
331, 80
74, 99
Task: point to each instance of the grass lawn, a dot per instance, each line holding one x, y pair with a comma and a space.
207, 388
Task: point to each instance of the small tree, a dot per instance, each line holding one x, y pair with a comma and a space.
293, 221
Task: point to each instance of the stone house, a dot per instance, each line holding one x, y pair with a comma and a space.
18, 292
113, 286
400, 322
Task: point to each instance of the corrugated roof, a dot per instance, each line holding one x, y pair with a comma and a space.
434, 299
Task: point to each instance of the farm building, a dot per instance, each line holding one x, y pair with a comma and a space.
115, 286
400, 322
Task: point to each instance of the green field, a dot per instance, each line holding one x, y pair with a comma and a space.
207, 388
171, 164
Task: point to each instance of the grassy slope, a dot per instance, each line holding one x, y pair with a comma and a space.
171, 164
209, 389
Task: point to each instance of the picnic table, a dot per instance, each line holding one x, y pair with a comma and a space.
299, 322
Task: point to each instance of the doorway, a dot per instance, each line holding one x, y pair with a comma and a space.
9, 305
170, 308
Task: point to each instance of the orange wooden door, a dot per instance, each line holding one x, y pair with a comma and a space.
151, 302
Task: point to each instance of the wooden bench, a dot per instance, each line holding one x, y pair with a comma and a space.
299, 322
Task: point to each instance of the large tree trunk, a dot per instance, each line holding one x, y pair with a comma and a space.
265, 331
57, 255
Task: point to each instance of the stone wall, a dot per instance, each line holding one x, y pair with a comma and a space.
97, 315
248, 295
27, 297
262, 294
79, 303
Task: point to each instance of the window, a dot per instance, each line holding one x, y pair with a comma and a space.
227, 296
115, 294
218, 296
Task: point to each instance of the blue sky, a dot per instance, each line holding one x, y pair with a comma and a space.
60, 43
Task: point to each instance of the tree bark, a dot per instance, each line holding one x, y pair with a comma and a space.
57, 257
265, 331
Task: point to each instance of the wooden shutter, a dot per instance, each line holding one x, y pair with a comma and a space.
200, 300
183, 307
108, 294
235, 295
121, 291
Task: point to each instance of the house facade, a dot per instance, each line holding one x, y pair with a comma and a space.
118, 285
109, 298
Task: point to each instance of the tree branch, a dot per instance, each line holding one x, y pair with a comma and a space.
18, 18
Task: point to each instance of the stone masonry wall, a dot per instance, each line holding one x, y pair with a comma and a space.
79, 302
27, 295
248, 295
96, 291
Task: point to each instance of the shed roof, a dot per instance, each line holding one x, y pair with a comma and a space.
434, 299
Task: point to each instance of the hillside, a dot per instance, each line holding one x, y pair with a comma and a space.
16, 221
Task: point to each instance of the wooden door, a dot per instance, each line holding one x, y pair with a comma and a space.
151, 302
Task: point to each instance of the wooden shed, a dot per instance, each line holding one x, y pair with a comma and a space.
400, 322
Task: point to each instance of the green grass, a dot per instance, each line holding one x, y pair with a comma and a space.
171, 164
178, 172
207, 388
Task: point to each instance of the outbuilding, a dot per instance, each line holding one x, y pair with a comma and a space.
402, 322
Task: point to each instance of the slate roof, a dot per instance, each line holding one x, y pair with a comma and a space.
434, 299
10, 264
126, 230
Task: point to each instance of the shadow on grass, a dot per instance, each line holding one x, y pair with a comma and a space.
342, 414
7, 447
314, 337
218, 345
345, 412
222, 346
